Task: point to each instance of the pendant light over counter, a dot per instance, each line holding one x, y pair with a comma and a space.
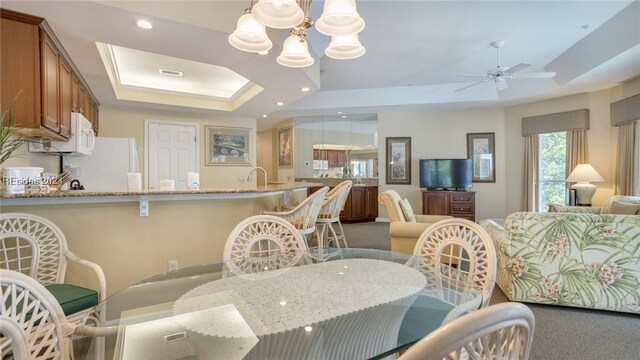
340, 20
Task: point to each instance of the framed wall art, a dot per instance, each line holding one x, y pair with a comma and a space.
227, 146
398, 160
481, 151
285, 147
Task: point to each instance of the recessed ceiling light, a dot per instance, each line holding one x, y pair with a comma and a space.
279, 103
144, 24
339, 112
343, 116
305, 89
264, 116
263, 52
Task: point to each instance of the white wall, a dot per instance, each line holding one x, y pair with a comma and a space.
128, 122
442, 134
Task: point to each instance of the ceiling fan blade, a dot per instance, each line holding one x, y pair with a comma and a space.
474, 75
501, 85
474, 84
518, 67
540, 75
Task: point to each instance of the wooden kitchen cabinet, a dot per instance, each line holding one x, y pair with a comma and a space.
460, 204
361, 204
34, 64
65, 83
50, 85
332, 157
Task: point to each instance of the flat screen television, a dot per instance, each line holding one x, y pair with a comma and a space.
445, 174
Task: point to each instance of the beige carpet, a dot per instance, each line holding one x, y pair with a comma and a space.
561, 332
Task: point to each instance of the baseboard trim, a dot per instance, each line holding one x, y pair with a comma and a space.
384, 220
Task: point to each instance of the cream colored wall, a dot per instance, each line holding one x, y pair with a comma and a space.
602, 138
130, 248
266, 155
126, 122
442, 134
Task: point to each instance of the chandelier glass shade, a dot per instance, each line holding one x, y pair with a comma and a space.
250, 35
295, 53
278, 14
339, 19
345, 47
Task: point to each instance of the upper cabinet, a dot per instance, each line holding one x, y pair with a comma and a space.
34, 64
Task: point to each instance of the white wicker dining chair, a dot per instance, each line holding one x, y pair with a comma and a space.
263, 243
36, 247
32, 323
502, 331
330, 215
303, 217
466, 248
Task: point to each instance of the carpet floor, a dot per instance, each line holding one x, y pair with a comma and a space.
561, 332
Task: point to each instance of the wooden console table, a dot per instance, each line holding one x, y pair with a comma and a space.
460, 204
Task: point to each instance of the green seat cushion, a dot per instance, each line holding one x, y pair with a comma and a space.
73, 298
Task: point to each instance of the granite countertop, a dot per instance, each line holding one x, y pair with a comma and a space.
335, 181
246, 189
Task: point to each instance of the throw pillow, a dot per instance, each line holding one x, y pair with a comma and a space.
622, 208
407, 211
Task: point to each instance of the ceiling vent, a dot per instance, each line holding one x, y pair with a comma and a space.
170, 72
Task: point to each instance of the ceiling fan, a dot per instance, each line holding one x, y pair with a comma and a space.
500, 74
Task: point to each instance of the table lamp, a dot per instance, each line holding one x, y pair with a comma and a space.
582, 175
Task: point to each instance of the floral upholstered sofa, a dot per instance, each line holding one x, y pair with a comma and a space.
573, 259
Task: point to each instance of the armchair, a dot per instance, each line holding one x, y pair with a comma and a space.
404, 235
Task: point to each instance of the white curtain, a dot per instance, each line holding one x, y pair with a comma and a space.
636, 165
531, 173
627, 159
577, 149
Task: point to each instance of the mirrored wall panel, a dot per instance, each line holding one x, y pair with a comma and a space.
341, 146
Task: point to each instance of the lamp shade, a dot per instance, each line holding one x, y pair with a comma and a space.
295, 53
340, 17
584, 173
250, 35
278, 14
345, 47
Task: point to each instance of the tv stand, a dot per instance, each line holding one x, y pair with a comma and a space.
460, 204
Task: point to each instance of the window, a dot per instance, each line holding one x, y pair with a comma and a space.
551, 169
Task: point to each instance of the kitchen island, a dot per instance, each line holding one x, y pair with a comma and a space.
133, 235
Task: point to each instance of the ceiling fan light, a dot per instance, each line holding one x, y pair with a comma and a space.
250, 35
278, 14
345, 47
339, 17
295, 53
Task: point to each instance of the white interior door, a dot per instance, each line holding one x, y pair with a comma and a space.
171, 152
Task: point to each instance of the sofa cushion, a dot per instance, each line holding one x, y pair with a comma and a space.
623, 208
407, 211
73, 298
606, 206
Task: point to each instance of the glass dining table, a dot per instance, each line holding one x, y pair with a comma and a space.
346, 304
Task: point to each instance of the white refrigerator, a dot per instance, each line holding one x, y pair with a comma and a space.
107, 167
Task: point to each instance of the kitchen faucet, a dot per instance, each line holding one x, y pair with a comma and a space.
254, 170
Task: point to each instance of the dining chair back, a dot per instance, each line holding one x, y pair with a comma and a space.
263, 243
32, 323
303, 217
36, 247
502, 331
465, 247
330, 215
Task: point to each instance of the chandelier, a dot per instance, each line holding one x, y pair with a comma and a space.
340, 20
